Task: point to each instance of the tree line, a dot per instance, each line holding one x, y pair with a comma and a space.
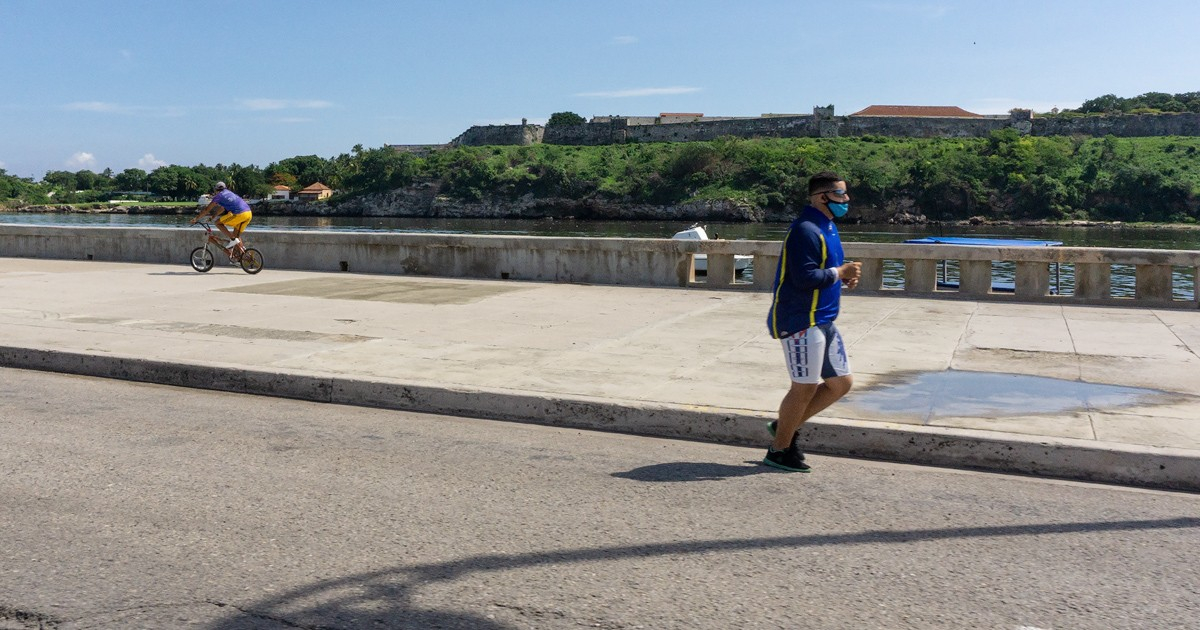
1006, 176
1148, 103
361, 170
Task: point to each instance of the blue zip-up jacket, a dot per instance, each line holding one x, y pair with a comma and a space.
807, 291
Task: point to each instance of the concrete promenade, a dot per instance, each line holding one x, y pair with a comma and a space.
1094, 393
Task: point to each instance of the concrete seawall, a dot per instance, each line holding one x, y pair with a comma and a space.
631, 261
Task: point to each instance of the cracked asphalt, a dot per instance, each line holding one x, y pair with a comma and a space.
126, 505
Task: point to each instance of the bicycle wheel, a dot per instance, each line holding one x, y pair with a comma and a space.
252, 261
202, 259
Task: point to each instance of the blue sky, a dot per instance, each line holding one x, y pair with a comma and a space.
138, 84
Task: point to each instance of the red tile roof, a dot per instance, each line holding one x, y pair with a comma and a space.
932, 111
315, 187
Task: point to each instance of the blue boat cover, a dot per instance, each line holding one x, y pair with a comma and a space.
982, 242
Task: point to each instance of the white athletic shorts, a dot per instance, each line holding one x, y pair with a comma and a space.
815, 354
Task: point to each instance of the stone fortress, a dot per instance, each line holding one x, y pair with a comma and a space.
888, 121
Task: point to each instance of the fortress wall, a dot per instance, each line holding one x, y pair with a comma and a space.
1126, 125
587, 134
782, 127
485, 135
620, 130
920, 127
632, 120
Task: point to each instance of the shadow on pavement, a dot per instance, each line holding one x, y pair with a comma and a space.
693, 471
383, 599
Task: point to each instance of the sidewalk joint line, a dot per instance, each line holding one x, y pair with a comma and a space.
1176, 335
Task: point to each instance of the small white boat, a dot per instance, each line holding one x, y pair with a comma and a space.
697, 233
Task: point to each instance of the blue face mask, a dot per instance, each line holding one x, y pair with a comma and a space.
838, 209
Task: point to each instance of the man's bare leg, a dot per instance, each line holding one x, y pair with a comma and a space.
240, 248
791, 412
804, 401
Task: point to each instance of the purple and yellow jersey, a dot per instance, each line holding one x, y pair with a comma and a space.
229, 200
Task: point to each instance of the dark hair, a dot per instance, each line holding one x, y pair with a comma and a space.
822, 181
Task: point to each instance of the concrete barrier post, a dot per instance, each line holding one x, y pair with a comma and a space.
1033, 279
721, 271
691, 269
1093, 280
764, 271
920, 276
975, 277
1153, 283
871, 278
1196, 285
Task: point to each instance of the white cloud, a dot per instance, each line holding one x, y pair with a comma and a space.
148, 162
96, 106
624, 40
262, 104
635, 92
104, 107
81, 160
291, 120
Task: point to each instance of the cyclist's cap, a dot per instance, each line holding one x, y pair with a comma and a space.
219, 186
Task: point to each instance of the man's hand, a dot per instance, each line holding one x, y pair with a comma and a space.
850, 273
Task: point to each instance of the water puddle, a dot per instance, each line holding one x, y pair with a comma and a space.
992, 395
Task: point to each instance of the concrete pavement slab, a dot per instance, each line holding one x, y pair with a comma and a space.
1057, 365
1177, 375
1148, 430
882, 360
1145, 338
1016, 332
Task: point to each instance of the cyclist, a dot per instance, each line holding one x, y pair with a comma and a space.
235, 214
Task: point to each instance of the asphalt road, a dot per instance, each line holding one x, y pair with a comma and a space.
139, 506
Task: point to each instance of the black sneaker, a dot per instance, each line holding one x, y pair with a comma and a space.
773, 425
789, 459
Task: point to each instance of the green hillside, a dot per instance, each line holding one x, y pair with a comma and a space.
1004, 176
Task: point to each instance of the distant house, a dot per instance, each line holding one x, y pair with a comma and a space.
281, 193
917, 111
315, 192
